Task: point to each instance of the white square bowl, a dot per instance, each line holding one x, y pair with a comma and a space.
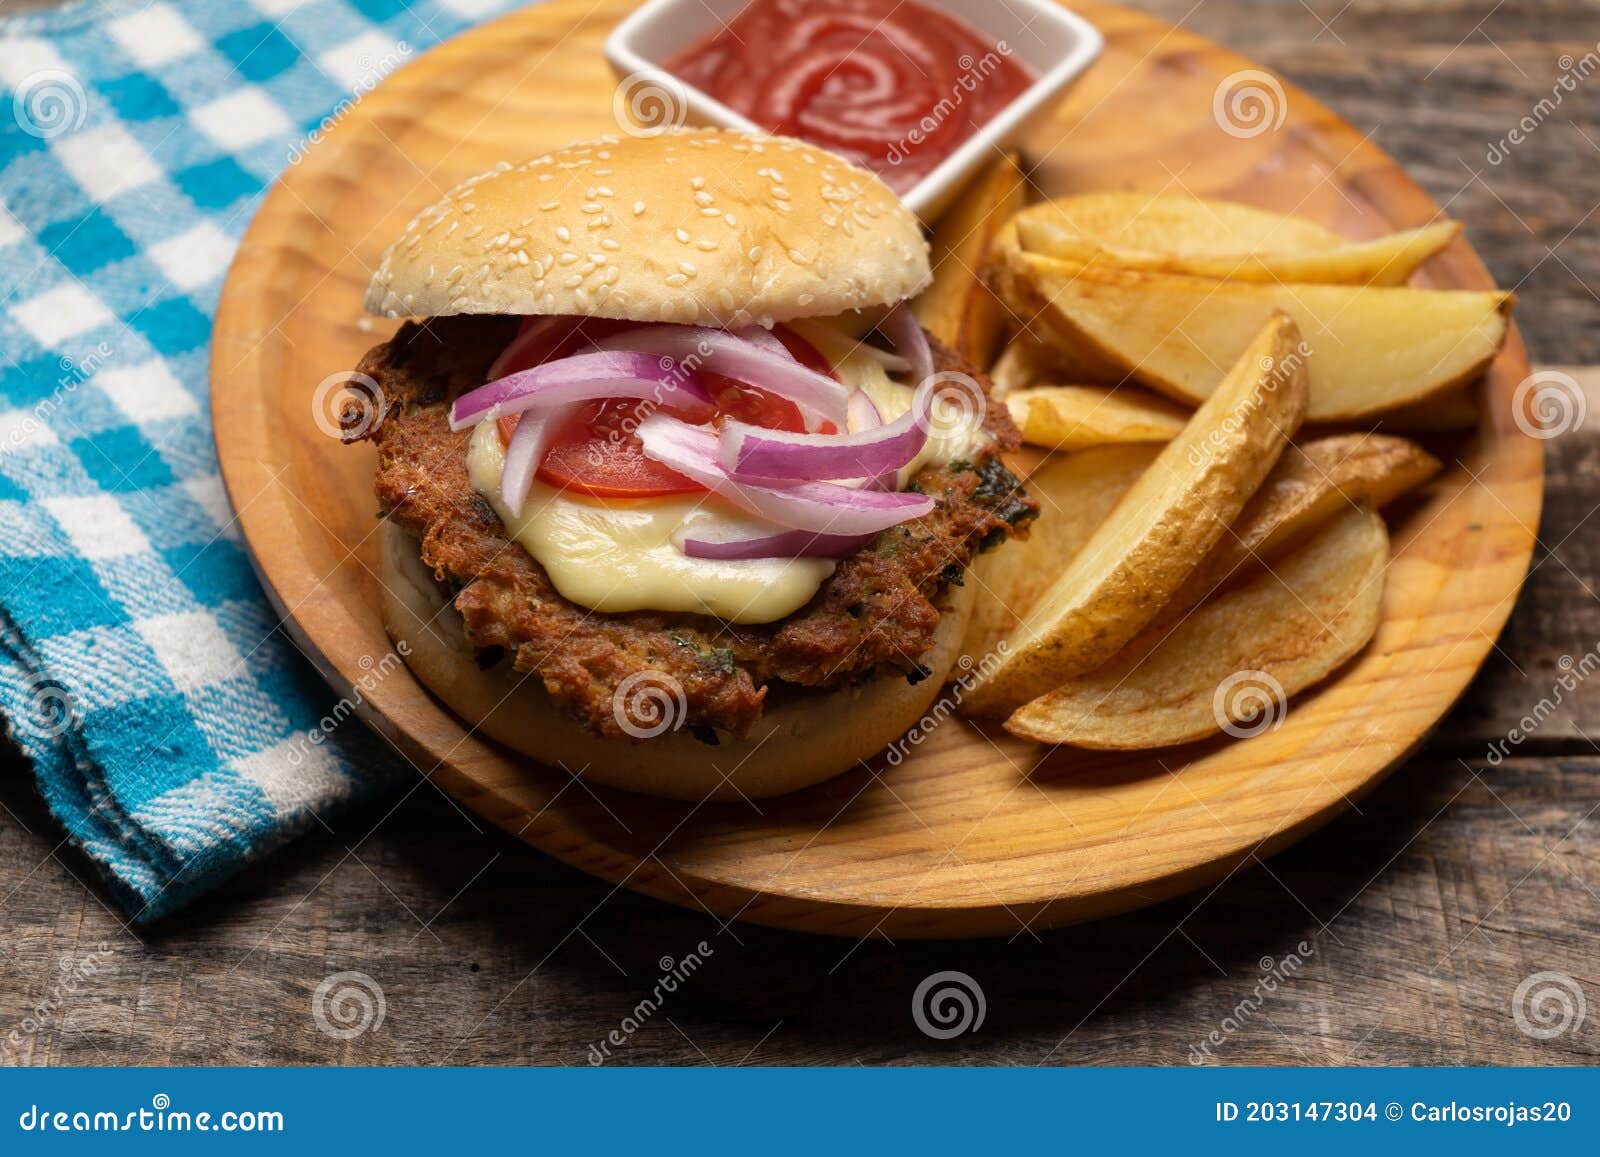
1055, 44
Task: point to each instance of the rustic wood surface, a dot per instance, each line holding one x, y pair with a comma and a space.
1460, 878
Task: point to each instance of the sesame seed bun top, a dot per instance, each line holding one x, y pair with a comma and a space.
703, 226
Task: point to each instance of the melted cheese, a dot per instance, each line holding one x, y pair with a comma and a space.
622, 555
617, 555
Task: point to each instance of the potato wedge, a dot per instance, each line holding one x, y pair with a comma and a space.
1027, 361
1016, 368
1077, 417
1233, 663
1311, 484
1173, 223
959, 308
1177, 510
1075, 493
1452, 410
1370, 350
1006, 271
1201, 238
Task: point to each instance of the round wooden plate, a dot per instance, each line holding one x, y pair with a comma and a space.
972, 834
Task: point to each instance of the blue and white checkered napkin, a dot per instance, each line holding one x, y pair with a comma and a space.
140, 670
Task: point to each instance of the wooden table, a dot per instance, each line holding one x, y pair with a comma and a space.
1470, 871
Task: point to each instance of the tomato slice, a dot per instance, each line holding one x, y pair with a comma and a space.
757, 407
597, 452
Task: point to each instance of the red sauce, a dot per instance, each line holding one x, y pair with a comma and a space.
894, 85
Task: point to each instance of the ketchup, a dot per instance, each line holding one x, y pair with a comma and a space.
893, 85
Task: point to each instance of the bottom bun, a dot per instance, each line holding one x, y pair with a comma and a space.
802, 738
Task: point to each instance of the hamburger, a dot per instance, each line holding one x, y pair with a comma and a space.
674, 491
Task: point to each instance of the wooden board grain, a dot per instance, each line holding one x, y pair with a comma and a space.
973, 833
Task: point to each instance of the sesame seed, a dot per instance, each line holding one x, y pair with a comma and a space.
703, 198
472, 232
676, 280
705, 245
806, 298
549, 205
608, 243
573, 282
563, 233
754, 254
682, 235
638, 207
687, 269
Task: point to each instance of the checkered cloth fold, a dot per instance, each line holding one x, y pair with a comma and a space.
172, 728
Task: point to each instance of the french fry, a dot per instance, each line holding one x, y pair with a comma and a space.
1370, 350
1077, 417
1075, 493
1155, 537
959, 308
1220, 239
1234, 662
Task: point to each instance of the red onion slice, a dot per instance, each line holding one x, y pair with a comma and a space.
534, 331
756, 453
752, 452
580, 378
525, 452
766, 339
864, 413
900, 326
815, 506
782, 544
717, 351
